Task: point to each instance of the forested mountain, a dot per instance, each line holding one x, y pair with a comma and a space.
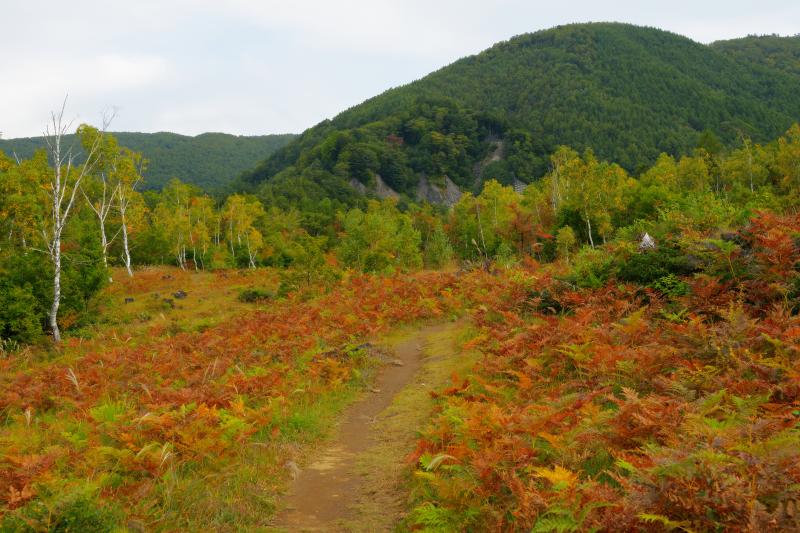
210, 160
773, 51
629, 93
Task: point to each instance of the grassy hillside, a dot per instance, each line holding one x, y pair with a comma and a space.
627, 92
209, 160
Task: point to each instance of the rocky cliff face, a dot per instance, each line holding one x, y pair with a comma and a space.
379, 188
447, 195
497, 153
357, 185
382, 190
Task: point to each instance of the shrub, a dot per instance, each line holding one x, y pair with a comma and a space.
26, 290
671, 285
565, 241
438, 251
310, 278
20, 318
592, 268
253, 295
647, 267
76, 510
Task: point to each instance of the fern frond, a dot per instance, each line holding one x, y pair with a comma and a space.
671, 525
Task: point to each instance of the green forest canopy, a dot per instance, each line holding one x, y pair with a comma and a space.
629, 93
210, 160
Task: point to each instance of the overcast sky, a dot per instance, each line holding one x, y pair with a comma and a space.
253, 67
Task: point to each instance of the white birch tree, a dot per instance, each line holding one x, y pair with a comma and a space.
64, 182
103, 184
132, 166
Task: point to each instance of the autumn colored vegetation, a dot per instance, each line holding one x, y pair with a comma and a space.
626, 407
670, 405
208, 341
581, 200
106, 431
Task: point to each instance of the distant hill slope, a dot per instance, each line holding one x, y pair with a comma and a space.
210, 160
627, 92
782, 53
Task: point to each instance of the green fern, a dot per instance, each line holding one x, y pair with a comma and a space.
670, 525
564, 520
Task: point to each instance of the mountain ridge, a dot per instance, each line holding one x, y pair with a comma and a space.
627, 92
210, 160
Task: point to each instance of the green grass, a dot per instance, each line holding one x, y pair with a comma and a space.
241, 494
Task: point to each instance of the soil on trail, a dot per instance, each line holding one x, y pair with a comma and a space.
355, 482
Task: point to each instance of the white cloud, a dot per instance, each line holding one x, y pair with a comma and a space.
39, 84
113, 71
362, 26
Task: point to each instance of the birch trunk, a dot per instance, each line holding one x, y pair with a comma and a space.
104, 242
125, 250
62, 196
250, 255
230, 237
55, 255
125, 191
480, 228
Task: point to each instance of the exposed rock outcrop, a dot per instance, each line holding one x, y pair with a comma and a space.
448, 195
380, 188
497, 153
357, 185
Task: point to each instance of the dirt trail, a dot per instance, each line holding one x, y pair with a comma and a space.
353, 485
